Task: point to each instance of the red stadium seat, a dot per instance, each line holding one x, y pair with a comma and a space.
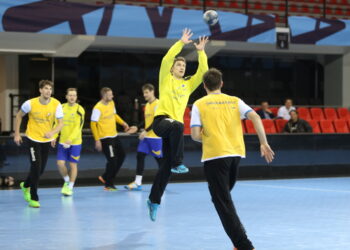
222, 4
327, 126
274, 110
250, 127
304, 113
341, 126
315, 126
269, 126
343, 113
330, 114
243, 128
196, 3
317, 114
280, 124
187, 127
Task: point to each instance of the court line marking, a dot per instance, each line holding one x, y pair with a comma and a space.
297, 188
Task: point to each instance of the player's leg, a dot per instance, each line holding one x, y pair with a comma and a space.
108, 151
217, 173
73, 159
142, 151
62, 157
169, 128
38, 157
160, 182
119, 155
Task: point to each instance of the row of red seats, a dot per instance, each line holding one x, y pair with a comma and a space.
319, 114
277, 126
327, 120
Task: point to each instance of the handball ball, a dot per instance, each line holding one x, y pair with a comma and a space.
211, 17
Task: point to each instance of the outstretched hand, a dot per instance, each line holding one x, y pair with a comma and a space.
267, 153
203, 40
186, 36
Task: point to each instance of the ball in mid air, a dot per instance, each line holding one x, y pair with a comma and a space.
211, 17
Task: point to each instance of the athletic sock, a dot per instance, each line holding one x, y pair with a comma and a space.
71, 185
66, 178
138, 180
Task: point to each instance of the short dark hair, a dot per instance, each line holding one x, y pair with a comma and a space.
264, 102
179, 58
293, 110
104, 90
43, 83
72, 89
148, 86
212, 79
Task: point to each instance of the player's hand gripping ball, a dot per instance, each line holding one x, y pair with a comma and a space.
211, 17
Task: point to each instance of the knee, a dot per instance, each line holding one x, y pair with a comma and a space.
179, 127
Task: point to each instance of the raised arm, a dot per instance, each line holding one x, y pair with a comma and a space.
168, 59
197, 78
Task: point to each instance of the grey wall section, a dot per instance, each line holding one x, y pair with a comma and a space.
333, 81
337, 80
346, 80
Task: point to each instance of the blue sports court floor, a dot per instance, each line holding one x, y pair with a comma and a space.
278, 215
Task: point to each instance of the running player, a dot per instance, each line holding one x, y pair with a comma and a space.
40, 133
149, 144
70, 140
216, 122
174, 92
104, 130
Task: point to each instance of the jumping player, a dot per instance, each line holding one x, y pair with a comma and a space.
174, 92
70, 141
43, 111
216, 122
104, 130
149, 144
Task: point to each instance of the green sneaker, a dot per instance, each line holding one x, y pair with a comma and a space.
26, 192
66, 191
33, 203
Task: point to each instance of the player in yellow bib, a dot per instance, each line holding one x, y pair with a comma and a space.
216, 122
43, 112
104, 130
149, 144
69, 146
174, 92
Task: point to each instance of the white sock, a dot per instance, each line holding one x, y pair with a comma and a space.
71, 185
138, 179
66, 178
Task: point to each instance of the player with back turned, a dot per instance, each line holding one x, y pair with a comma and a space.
216, 122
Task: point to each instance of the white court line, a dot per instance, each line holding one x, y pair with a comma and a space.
297, 188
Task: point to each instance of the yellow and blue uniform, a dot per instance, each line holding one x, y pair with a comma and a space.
151, 144
174, 93
219, 116
73, 120
42, 118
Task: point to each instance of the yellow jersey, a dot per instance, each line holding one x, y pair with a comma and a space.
73, 120
220, 116
174, 93
42, 118
106, 118
150, 109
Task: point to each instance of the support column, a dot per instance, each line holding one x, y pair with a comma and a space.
8, 85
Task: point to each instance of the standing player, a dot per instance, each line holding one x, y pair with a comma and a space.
174, 92
70, 141
149, 144
216, 122
104, 130
42, 112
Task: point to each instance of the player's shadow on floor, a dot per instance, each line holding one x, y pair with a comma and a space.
132, 241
